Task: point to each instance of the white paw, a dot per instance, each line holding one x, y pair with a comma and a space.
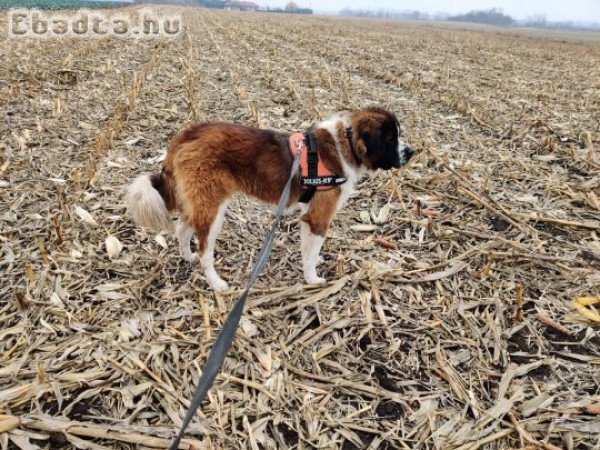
191, 257
218, 284
316, 280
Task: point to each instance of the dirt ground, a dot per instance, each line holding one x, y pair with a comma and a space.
460, 310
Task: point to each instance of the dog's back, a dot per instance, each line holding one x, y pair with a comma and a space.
205, 165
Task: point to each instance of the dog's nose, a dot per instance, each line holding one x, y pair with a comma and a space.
405, 154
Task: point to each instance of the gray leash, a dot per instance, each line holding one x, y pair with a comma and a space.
224, 340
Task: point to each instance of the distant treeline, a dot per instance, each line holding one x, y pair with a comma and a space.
58, 4
385, 14
494, 16
288, 11
540, 21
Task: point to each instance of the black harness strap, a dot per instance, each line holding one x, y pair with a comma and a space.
312, 154
312, 158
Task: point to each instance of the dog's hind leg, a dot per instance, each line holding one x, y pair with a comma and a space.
208, 226
184, 235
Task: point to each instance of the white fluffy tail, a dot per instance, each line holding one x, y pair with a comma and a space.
147, 206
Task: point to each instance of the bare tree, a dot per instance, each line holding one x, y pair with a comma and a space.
291, 6
537, 20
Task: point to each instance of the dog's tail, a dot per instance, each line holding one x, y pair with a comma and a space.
149, 199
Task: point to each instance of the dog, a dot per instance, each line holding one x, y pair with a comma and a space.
208, 163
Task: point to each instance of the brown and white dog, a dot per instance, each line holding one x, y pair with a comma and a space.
208, 163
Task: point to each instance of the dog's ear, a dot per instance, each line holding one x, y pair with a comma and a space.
362, 143
370, 135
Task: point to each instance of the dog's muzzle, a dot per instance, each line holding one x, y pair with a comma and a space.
405, 154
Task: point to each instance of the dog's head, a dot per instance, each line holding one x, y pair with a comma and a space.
378, 140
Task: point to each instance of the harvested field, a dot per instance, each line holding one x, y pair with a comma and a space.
450, 319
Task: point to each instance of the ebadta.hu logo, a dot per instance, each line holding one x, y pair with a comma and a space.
144, 23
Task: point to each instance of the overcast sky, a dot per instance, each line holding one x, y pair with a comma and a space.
584, 10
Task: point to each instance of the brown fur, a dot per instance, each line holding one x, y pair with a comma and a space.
321, 211
199, 173
364, 123
208, 163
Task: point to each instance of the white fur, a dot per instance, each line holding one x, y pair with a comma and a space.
348, 187
352, 174
402, 149
184, 235
303, 208
207, 260
331, 124
402, 152
310, 246
146, 205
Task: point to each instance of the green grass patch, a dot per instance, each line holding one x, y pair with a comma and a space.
59, 4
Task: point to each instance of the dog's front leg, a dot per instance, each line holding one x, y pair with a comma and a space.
310, 246
313, 229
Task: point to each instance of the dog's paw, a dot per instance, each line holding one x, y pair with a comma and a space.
218, 284
316, 280
191, 257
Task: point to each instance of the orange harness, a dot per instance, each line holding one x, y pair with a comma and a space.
314, 174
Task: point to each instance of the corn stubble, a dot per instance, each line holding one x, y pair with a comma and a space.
463, 300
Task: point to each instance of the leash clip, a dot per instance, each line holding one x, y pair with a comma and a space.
298, 143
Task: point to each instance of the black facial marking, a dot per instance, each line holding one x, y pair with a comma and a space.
381, 140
